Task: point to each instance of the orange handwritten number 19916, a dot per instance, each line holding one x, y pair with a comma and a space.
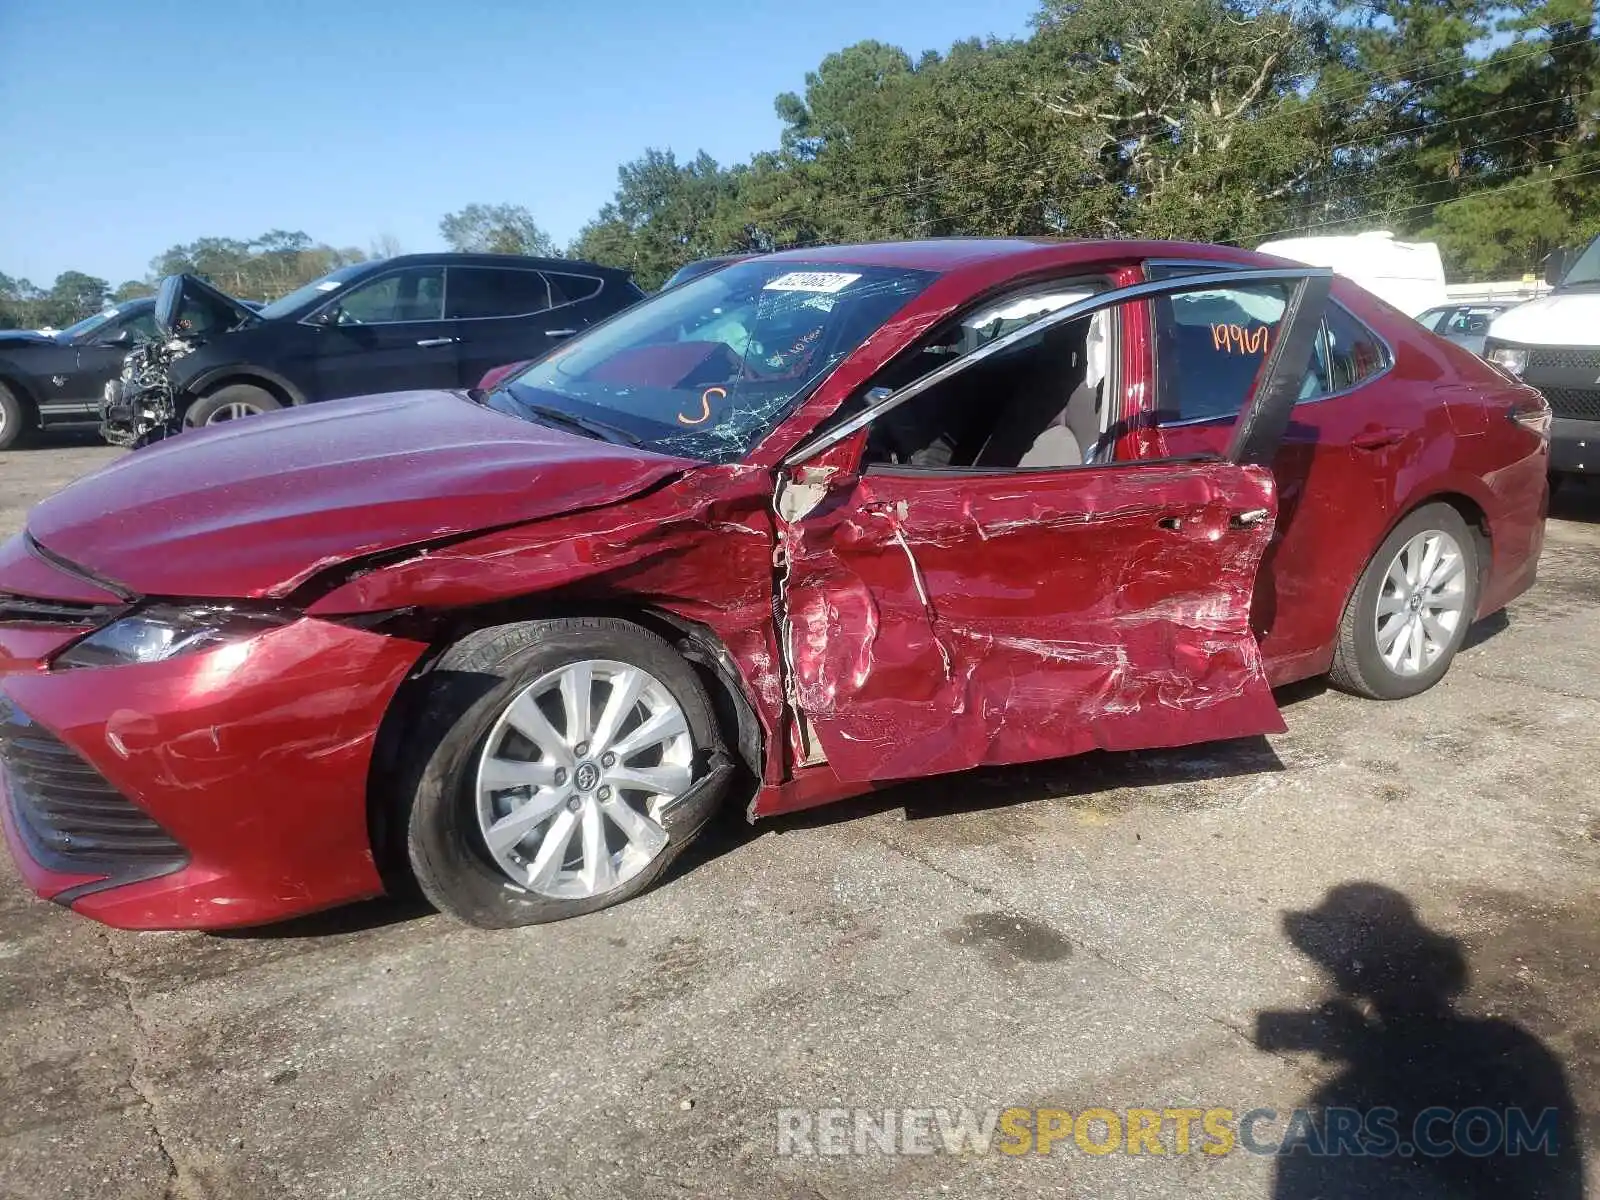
1236, 339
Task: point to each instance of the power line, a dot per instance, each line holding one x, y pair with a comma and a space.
1433, 204
1503, 108
1399, 74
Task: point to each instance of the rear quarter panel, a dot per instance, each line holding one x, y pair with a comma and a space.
1462, 446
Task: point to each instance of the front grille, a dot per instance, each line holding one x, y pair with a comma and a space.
1583, 403
1564, 358
28, 610
69, 815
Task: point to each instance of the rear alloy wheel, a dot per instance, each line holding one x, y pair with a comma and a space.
562, 766
14, 423
231, 403
1411, 611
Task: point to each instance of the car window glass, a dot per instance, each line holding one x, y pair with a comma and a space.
413, 294
494, 292
1209, 346
1354, 353
141, 326
991, 320
569, 289
708, 368
1471, 320
201, 313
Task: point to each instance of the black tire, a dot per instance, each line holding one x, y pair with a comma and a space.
469, 687
1358, 667
206, 410
15, 419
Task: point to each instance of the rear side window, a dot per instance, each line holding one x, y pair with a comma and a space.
1348, 353
569, 289
477, 292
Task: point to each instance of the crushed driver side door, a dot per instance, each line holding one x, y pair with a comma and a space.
939, 619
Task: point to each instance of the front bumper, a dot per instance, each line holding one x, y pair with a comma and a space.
1575, 446
253, 758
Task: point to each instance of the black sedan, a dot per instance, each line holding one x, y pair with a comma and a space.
58, 378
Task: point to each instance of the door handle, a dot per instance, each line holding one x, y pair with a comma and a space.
1376, 439
438, 341
1248, 519
559, 332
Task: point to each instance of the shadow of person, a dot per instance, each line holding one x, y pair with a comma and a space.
1409, 1059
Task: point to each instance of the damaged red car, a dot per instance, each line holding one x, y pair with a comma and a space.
819, 521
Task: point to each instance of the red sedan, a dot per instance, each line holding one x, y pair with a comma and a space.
816, 522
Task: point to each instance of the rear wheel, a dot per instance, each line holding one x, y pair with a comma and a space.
560, 768
1410, 613
231, 403
14, 422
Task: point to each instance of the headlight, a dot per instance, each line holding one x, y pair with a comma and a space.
1510, 358
163, 631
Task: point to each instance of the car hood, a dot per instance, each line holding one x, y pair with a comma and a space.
256, 508
1559, 319
12, 338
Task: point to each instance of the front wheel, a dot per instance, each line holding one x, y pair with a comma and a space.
231, 403
14, 423
560, 767
1410, 613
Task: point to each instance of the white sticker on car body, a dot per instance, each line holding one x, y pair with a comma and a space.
811, 281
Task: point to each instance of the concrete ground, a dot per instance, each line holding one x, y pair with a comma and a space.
1108, 932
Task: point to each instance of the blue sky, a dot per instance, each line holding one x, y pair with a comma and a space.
128, 127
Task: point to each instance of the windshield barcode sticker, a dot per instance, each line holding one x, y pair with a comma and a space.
811, 281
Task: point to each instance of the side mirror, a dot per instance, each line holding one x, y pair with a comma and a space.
1556, 265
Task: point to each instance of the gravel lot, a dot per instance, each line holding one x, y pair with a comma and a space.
1099, 932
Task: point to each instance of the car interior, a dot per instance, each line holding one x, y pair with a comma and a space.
1051, 391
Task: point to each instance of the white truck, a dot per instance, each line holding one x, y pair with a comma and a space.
1409, 275
1553, 343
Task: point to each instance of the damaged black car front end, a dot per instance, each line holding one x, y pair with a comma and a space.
140, 406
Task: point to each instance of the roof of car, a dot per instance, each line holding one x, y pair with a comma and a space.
448, 257
948, 254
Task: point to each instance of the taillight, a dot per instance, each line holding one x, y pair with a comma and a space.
1533, 415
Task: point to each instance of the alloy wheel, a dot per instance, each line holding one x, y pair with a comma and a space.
1422, 603
232, 412
575, 775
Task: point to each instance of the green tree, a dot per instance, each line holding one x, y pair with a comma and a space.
1487, 152
265, 268
18, 302
132, 289
72, 297
495, 229
663, 215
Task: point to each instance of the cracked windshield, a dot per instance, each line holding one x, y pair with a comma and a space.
707, 368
